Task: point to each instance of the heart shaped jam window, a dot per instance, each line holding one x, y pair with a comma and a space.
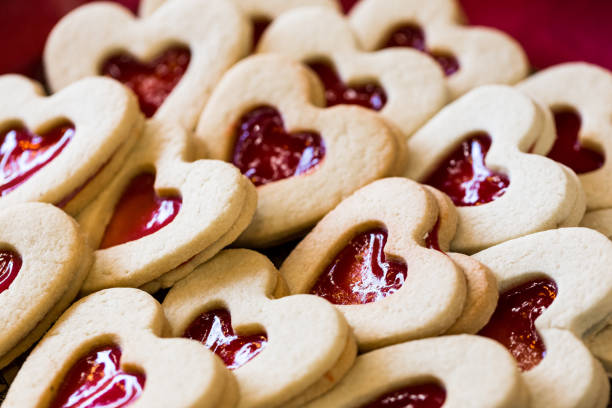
428, 395
140, 212
10, 264
413, 36
97, 381
369, 95
23, 153
359, 273
152, 81
265, 152
513, 322
464, 176
567, 148
214, 330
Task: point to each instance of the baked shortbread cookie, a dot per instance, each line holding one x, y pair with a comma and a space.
470, 56
476, 151
40, 274
65, 148
108, 348
404, 85
286, 350
186, 45
582, 117
373, 256
265, 118
450, 371
555, 287
163, 215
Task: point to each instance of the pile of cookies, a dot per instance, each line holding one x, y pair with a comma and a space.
439, 221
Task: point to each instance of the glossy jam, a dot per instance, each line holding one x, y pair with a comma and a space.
259, 26
567, 148
347, 5
140, 212
513, 323
360, 273
264, 152
464, 176
415, 396
10, 264
23, 153
96, 381
153, 81
214, 330
413, 36
431, 238
370, 96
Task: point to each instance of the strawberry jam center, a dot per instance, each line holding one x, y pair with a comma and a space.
413, 36
431, 238
415, 396
347, 5
370, 96
96, 381
360, 273
264, 152
567, 148
140, 212
513, 323
10, 264
465, 178
152, 82
214, 330
23, 153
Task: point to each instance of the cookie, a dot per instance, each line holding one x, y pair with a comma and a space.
450, 371
554, 287
186, 46
40, 274
265, 117
476, 150
281, 355
116, 334
64, 148
469, 56
163, 214
582, 117
405, 86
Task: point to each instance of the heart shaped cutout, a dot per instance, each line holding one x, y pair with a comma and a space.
214, 330
429, 395
264, 151
139, 212
368, 95
464, 176
10, 264
152, 81
359, 273
96, 380
513, 323
23, 153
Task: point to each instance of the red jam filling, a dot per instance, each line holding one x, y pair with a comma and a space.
431, 238
464, 176
140, 212
265, 152
214, 330
259, 26
347, 5
370, 96
360, 273
10, 264
23, 153
567, 148
413, 36
153, 81
96, 381
415, 396
513, 323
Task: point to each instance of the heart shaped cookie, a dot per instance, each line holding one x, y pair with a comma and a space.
476, 151
171, 59
281, 355
257, 106
107, 350
160, 197
64, 148
470, 56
